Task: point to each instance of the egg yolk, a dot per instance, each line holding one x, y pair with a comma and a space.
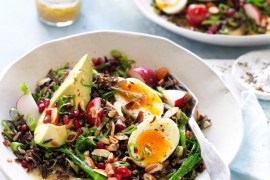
142, 95
162, 4
155, 143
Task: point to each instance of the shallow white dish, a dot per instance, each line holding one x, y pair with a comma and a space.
252, 70
227, 40
215, 99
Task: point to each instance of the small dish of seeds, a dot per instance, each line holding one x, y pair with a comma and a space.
252, 71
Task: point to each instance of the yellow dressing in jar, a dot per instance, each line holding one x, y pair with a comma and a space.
58, 12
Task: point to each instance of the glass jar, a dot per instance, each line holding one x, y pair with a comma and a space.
58, 12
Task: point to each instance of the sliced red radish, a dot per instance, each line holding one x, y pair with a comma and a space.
95, 114
145, 74
174, 98
26, 104
253, 12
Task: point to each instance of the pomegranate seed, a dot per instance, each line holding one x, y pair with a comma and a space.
82, 115
119, 125
70, 137
25, 164
118, 176
76, 113
41, 107
47, 119
48, 112
122, 170
123, 146
69, 106
127, 174
230, 12
40, 101
46, 102
97, 61
24, 127
133, 166
70, 115
101, 166
76, 123
213, 29
100, 145
66, 119
79, 132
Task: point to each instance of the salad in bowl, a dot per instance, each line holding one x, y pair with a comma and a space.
225, 17
104, 119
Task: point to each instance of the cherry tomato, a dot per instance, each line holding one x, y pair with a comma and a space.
196, 13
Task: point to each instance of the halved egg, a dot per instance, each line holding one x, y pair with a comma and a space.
134, 98
153, 141
171, 6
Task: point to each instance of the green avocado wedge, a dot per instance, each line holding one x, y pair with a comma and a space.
73, 85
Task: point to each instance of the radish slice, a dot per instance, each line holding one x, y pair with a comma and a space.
26, 104
253, 12
174, 98
144, 74
95, 114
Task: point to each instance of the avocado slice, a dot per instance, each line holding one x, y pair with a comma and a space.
73, 85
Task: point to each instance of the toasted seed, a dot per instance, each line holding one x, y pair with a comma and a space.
101, 152
148, 176
94, 112
206, 124
152, 168
121, 136
132, 105
121, 82
112, 113
109, 169
113, 140
172, 111
112, 129
89, 161
82, 106
105, 140
140, 117
43, 81
112, 147
110, 158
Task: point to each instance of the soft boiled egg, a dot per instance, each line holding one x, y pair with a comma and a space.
136, 98
153, 141
171, 6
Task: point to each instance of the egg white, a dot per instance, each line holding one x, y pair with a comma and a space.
173, 8
166, 127
120, 103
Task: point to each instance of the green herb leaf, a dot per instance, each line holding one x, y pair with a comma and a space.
25, 88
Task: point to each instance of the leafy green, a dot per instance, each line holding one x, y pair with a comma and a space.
25, 88
83, 144
125, 63
15, 145
187, 166
31, 122
258, 3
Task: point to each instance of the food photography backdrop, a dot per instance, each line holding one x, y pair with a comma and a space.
21, 31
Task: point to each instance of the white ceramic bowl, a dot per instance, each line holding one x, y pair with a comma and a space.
227, 40
215, 99
257, 64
